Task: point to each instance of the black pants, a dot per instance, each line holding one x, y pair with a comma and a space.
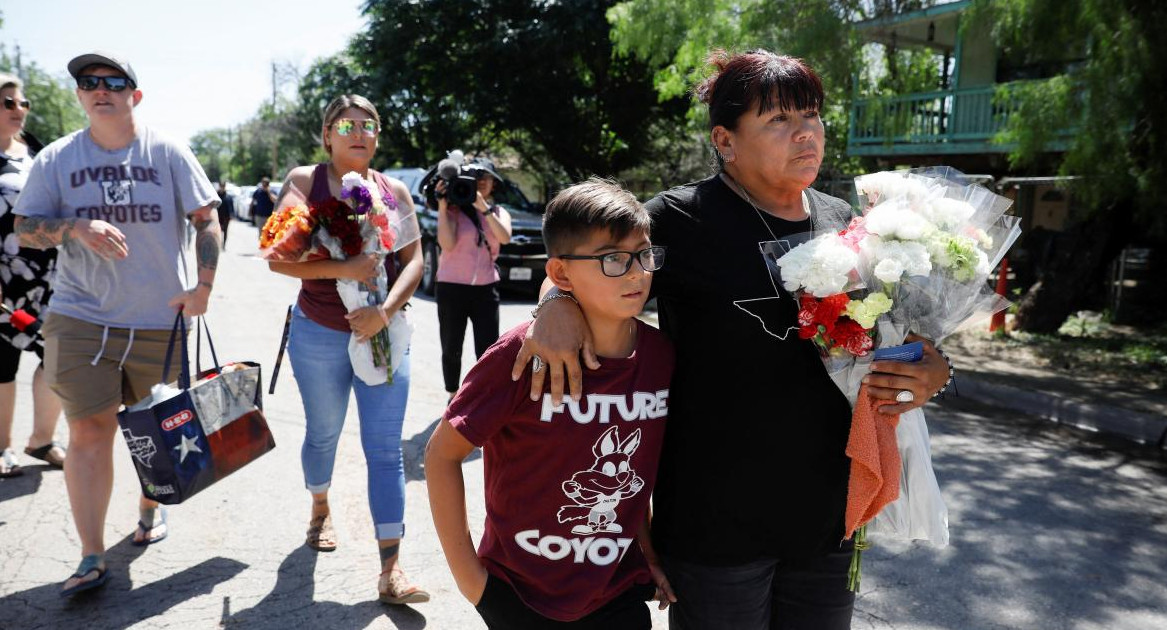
456, 304
501, 609
808, 594
10, 358
224, 221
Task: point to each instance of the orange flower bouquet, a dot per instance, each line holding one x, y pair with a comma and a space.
287, 234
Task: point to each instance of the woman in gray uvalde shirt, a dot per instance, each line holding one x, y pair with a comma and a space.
145, 189
115, 200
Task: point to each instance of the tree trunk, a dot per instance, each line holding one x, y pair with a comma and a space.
1069, 273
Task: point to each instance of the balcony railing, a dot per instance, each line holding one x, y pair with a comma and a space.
949, 121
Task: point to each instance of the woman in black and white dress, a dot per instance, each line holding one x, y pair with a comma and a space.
25, 276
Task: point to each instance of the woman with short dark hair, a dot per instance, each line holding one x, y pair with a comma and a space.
752, 488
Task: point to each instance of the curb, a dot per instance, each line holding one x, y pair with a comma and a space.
1142, 427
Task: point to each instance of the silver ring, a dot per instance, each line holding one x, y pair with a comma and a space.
905, 396
537, 364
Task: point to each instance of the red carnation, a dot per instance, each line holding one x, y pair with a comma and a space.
831, 307
853, 337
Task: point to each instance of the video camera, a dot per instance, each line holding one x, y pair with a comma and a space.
461, 181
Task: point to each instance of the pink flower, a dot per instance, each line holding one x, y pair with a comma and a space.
854, 233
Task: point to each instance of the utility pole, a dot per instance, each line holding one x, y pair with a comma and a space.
275, 145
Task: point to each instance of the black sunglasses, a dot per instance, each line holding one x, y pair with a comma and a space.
11, 103
616, 264
89, 82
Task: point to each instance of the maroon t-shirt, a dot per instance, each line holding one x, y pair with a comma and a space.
318, 298
568, 486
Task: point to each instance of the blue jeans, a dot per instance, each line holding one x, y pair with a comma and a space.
325, 376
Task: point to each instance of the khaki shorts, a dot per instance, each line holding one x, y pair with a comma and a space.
86, 388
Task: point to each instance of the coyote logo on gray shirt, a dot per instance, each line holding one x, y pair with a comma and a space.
118, 192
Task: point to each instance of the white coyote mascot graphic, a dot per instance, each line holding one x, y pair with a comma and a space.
598, 491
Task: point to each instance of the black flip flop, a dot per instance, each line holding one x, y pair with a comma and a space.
86, 567
43, 453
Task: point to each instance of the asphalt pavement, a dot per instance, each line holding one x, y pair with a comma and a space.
1052, 527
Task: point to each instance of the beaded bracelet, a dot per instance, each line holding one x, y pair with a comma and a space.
951, 375
552, 295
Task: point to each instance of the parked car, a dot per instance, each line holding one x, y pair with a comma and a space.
243, 201
521, 263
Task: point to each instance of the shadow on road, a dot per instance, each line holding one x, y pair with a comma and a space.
28, 483
413, 453
1049, 523
291, 604
117, 605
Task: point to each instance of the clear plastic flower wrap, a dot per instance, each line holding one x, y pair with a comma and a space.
923, 251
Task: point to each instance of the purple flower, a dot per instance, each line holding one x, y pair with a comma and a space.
389, 201
361, 199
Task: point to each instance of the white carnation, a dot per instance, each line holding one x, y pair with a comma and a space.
887, 185
948, 214
822, 266
889, 270
894, 220
351, 180
890, 260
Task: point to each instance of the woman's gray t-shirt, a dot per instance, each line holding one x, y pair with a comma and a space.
145, 189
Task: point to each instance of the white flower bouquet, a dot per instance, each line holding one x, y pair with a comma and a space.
917, 260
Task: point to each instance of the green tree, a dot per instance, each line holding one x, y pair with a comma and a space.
678, 35
55, 110
528, 75
1109, 63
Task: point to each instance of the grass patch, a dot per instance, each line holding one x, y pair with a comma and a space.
1120, 353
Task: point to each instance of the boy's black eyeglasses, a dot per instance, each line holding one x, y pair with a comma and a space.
11, 103
616, 264
89, 82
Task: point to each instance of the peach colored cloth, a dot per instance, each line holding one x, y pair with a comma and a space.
875, 462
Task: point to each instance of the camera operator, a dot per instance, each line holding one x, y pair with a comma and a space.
467, 280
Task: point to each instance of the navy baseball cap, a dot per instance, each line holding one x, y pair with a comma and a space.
102, 58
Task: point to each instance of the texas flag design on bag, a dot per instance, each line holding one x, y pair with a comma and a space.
234, 427
190, 451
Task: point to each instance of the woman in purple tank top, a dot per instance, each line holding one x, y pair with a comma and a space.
318, 347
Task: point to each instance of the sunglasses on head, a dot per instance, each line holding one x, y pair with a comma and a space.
89, 82
11, 103
345, 126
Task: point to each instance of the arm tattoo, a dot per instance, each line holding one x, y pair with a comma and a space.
208, 241
43, 232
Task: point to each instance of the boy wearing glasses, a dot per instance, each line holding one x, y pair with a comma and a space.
567, 482
115, 200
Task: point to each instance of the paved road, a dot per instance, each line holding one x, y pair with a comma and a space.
1051, 529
